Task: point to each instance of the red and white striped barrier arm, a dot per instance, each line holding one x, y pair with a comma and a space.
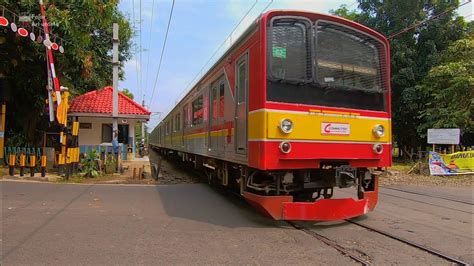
50, 53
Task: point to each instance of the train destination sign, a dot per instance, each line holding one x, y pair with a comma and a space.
443, 136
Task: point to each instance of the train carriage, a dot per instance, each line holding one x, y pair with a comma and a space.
296, 112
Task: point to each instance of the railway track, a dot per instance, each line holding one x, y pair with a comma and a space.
347, 252
356, 256
423, 202
432, 196
411, 243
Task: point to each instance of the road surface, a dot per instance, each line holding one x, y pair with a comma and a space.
194, 224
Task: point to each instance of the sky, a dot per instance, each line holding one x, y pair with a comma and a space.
198, 28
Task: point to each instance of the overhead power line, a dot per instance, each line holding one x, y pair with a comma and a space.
149, 43
162, 52
187, 87
425, 21
218, 48
136, 61
140, 51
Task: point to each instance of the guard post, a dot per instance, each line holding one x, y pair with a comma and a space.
3, 111
68, 163
43, 165
22, 163
74, 144
32, 164
11, 163
60, 164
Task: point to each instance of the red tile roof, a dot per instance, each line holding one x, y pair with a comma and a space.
100, 101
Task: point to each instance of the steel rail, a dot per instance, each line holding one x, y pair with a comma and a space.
331, 243
422, 202
411, 243
432, 196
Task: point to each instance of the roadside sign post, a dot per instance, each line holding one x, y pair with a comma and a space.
447, 136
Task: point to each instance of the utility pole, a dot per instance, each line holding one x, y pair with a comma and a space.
143, 123
115, 111
115, 64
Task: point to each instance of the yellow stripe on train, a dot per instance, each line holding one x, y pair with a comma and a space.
308, 126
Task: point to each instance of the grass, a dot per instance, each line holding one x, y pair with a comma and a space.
3, 170
402, 167
81, 179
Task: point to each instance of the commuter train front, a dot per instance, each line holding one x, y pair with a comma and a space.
294, 115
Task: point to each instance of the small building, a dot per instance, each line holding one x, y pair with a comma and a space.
94, 113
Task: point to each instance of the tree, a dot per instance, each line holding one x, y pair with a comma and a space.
413, 54
449, 88
86, 64
343, 11
127, 93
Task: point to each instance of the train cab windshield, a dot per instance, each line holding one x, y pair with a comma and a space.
324, 63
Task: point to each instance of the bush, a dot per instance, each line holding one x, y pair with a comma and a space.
90, 164
110, 164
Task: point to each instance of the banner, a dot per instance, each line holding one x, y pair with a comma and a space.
451, 164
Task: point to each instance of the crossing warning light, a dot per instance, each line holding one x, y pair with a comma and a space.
3, 21
22, 32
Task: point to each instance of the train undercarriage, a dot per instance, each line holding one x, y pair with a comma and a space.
300, 194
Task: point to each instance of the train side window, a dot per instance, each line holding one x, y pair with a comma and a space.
242, 81
214, 101
198, 111
175, 123
221, 98
178, 122
185, 118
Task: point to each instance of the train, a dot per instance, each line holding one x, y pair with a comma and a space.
295, 116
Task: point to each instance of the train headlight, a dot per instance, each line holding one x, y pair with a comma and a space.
286, 126
379, 131
285, 147
377, 148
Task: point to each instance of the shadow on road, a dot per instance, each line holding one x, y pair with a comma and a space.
199, 202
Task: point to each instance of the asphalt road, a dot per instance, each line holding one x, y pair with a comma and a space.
113, 224
193, 224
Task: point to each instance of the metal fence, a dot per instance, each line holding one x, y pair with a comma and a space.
22, 150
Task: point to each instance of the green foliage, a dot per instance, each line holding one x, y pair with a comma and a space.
127, 93
138, 134
89, 164
85, 65
449, 89
413, 56
344, 12
110, 164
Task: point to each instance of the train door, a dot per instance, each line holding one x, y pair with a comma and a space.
186, 124
241, 105
213, 118
183, 125
216, 117
220, 116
